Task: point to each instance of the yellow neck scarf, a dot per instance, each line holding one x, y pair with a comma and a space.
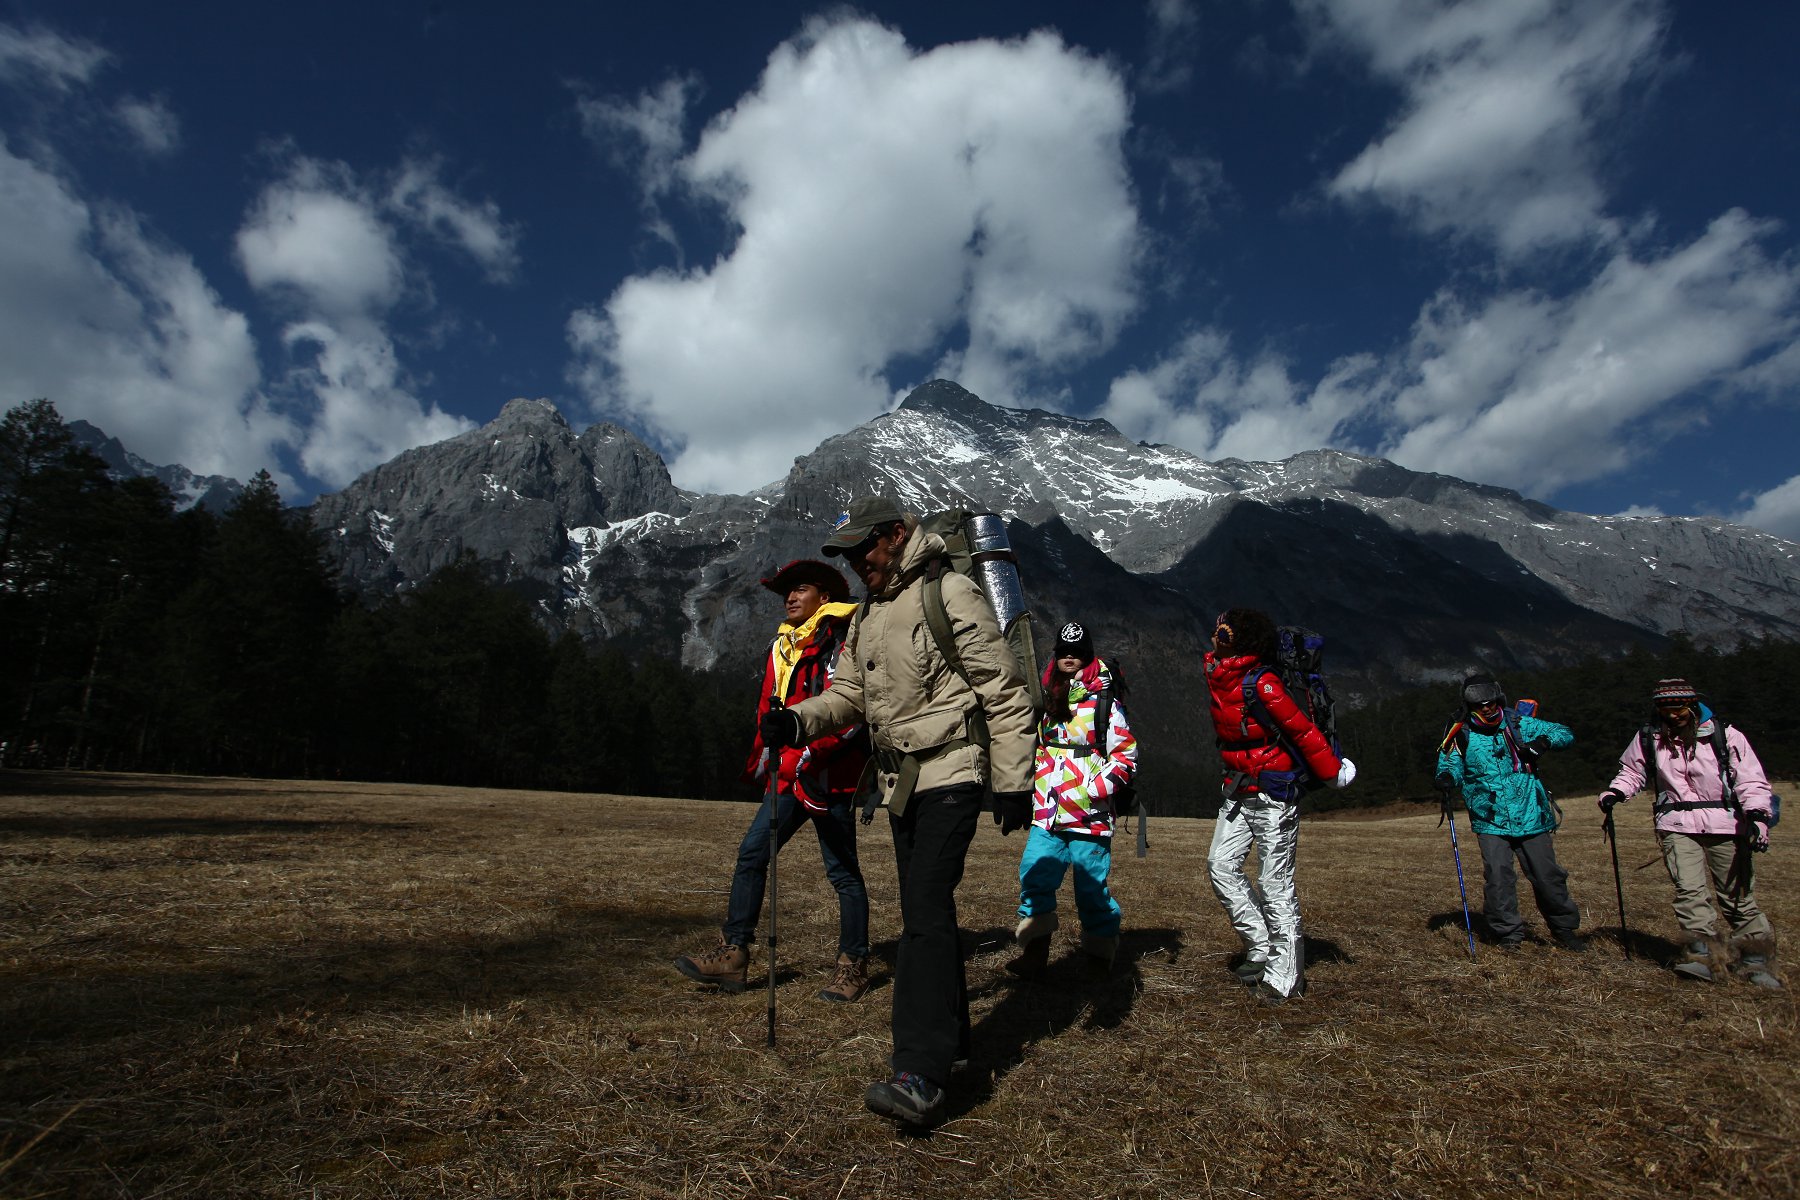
791, 639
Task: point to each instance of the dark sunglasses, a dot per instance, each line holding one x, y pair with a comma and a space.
855, 554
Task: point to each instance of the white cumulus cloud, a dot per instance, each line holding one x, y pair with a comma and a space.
1541, 392
152, 125
317, 234
1776, 510
115, 327
325, 246
1497, 134
42, 56
476, 228
884, 199
1523, 388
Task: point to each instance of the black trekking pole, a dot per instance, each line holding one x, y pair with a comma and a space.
1445, 814
1612, 839
772, 761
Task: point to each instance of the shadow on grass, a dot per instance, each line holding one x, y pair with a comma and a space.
240, 983
1070, 993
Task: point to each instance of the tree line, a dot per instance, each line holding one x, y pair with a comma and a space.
136, 637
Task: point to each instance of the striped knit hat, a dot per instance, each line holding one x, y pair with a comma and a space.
1672, 692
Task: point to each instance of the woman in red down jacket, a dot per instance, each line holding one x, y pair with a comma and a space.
1262, 787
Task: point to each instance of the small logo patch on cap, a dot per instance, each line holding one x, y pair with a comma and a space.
843, 520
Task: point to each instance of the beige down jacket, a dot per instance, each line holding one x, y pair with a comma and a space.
891, 675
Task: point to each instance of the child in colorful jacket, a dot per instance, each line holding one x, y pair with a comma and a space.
1510, 811
1078, 771
1705, 837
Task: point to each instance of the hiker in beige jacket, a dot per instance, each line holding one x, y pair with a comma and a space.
926, 722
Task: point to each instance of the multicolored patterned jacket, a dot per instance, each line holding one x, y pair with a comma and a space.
1071, 781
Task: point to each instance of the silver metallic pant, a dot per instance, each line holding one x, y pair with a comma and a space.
1266, 914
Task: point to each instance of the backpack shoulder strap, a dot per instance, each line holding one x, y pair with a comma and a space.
1509, 722
1455, 734
1647, 750
937, 617
1727, 769
1102, 719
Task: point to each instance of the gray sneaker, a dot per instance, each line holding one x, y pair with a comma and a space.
912, 1099
1754, 968
1698, 964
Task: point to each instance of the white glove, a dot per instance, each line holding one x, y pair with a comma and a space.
1346, 773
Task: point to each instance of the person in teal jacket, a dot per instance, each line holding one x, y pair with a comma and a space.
1489, 755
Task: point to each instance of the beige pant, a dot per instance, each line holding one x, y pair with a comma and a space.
1694, 860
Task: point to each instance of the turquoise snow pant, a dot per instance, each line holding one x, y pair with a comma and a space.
1047, 856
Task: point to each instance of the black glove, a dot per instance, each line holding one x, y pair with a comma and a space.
1608, 799
1445, 782
1012, 810
779, 727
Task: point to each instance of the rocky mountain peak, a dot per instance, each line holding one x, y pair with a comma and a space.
529, 414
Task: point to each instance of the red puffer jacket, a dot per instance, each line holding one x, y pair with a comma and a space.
833, 762
1244, 744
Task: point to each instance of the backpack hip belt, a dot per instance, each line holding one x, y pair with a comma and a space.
905, 764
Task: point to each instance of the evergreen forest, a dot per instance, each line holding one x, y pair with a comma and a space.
134, 637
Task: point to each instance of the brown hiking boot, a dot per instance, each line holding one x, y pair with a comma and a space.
1033, 934
850, 982
1033, 959
723, 966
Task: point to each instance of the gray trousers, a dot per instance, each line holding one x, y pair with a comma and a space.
1536, 856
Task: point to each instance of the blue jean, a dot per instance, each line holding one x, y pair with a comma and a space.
837, 847
1047, 857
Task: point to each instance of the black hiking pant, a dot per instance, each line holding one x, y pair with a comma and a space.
1536, 856
931, 991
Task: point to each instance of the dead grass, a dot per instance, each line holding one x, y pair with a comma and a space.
226, 988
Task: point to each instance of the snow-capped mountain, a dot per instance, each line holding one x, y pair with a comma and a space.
1411, 577
214, 493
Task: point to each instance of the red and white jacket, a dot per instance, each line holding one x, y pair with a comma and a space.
1690, 797
1244, 744
826, 769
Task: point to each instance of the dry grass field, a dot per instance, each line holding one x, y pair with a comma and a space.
223, 988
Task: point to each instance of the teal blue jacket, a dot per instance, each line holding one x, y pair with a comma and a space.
1501, 797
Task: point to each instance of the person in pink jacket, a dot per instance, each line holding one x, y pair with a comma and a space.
1711, 817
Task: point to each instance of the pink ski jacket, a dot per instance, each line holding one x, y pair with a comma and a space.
1690, 797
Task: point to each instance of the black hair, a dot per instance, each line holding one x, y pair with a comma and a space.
1252, 633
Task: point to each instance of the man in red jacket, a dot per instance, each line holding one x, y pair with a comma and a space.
1270, 747
815, 782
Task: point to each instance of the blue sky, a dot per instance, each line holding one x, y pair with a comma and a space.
1546, 245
